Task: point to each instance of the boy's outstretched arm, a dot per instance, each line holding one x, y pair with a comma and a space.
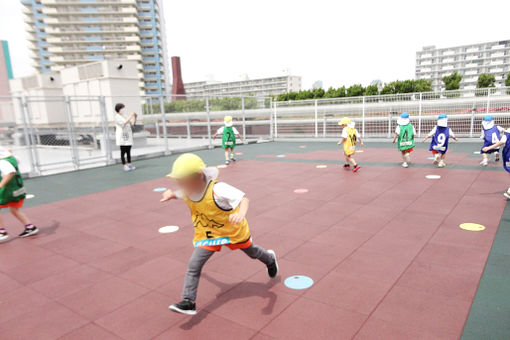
341, 141
493, 146
395, 138
360, 141
6, 179
239, 216
240, 138
168, 195
215, 135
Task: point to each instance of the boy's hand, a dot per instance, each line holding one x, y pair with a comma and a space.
340, 142
485, 149
236, 218
168, 195
361, 143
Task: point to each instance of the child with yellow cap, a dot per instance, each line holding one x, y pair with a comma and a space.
218, 212
350, 137
228, 141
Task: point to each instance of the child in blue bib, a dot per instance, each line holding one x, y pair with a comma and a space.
440, 135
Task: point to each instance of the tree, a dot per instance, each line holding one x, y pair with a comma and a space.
452, 82
371, 90
355, 90
422, 85
485, 80
507, 83
318, 93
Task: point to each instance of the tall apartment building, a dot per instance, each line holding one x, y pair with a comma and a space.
66, 33
468, 60
247, 87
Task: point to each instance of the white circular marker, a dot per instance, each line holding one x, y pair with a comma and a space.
321, 166
280, 156
29, 196
159, 189
301, 191
433, 177
239, 153
221, 166
431, 158
168, 229
476, 152
358, 151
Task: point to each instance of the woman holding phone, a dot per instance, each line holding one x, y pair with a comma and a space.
124, 134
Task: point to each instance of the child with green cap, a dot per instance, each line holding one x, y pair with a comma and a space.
405, 133
228, 141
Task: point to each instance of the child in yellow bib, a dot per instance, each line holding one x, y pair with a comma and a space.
350, 138
218, 212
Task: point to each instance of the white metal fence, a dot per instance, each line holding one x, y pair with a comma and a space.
54, 134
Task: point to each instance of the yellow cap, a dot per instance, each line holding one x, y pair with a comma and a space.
228, 119
186, 165
345, 121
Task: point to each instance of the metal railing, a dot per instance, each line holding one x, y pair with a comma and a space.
65, 133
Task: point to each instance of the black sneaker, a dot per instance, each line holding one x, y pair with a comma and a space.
272, 269
186, 306
347, 166
227, 162
233, 159
497, 157
29, 231
3, 235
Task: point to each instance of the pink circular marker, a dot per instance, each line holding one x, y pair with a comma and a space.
301, 191
239, 153
302, 146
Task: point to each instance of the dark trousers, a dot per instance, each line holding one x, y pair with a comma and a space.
125, 152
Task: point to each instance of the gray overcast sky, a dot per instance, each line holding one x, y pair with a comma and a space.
338, 42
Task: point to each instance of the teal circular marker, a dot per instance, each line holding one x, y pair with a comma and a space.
298, 282
159, 189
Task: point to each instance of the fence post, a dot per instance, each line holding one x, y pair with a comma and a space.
33, 137
419, 115
324, 126
389, 124
188, 127
208, 121
488, 100
316, 120
72, 137
163, 118
244, 117
472, 121
275, 129
28, 139
106, 130
363, 119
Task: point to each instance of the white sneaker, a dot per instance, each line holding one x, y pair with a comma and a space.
484, 162
441, 164
436, 159
405, 165
407, 158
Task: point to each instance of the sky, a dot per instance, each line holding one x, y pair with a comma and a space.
337, 42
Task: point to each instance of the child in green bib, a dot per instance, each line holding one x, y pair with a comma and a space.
404, 134
12, 193
228, 140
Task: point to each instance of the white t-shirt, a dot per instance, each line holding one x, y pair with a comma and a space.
220, 130
345, 134
226, 196
6, 168
433, 132
123, 133
397, 130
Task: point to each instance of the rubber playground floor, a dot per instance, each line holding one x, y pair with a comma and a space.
383, 247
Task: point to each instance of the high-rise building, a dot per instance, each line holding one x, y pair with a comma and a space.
248, 87
468, 60
65, 33
5, 68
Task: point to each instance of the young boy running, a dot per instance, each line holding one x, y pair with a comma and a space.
218, 212
440, 135
405, 133
504, 140
12, 193
350, 137
490, 135
228, 141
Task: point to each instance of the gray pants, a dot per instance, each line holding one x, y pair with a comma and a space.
200, 257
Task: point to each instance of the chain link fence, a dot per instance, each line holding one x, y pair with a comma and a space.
56, 134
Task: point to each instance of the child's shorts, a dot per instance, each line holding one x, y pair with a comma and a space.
490, 151
243, 245
408, 150
435, 152
16, 205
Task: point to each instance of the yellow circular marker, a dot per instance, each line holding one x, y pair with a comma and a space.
221, 166
321, 166
472, 226
29, 196
358, 151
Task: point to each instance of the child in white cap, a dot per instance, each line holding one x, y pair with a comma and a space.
405, 133
491, 133
12, 193
440, 135
228, 141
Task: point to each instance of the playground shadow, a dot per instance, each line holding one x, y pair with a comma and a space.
245, 289
43, 232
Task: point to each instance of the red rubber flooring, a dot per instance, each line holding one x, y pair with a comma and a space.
382, 245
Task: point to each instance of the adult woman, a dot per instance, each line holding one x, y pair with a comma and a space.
124, 134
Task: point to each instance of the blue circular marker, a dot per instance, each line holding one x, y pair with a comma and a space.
280, 156
298, 282
159, 189
431, 158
